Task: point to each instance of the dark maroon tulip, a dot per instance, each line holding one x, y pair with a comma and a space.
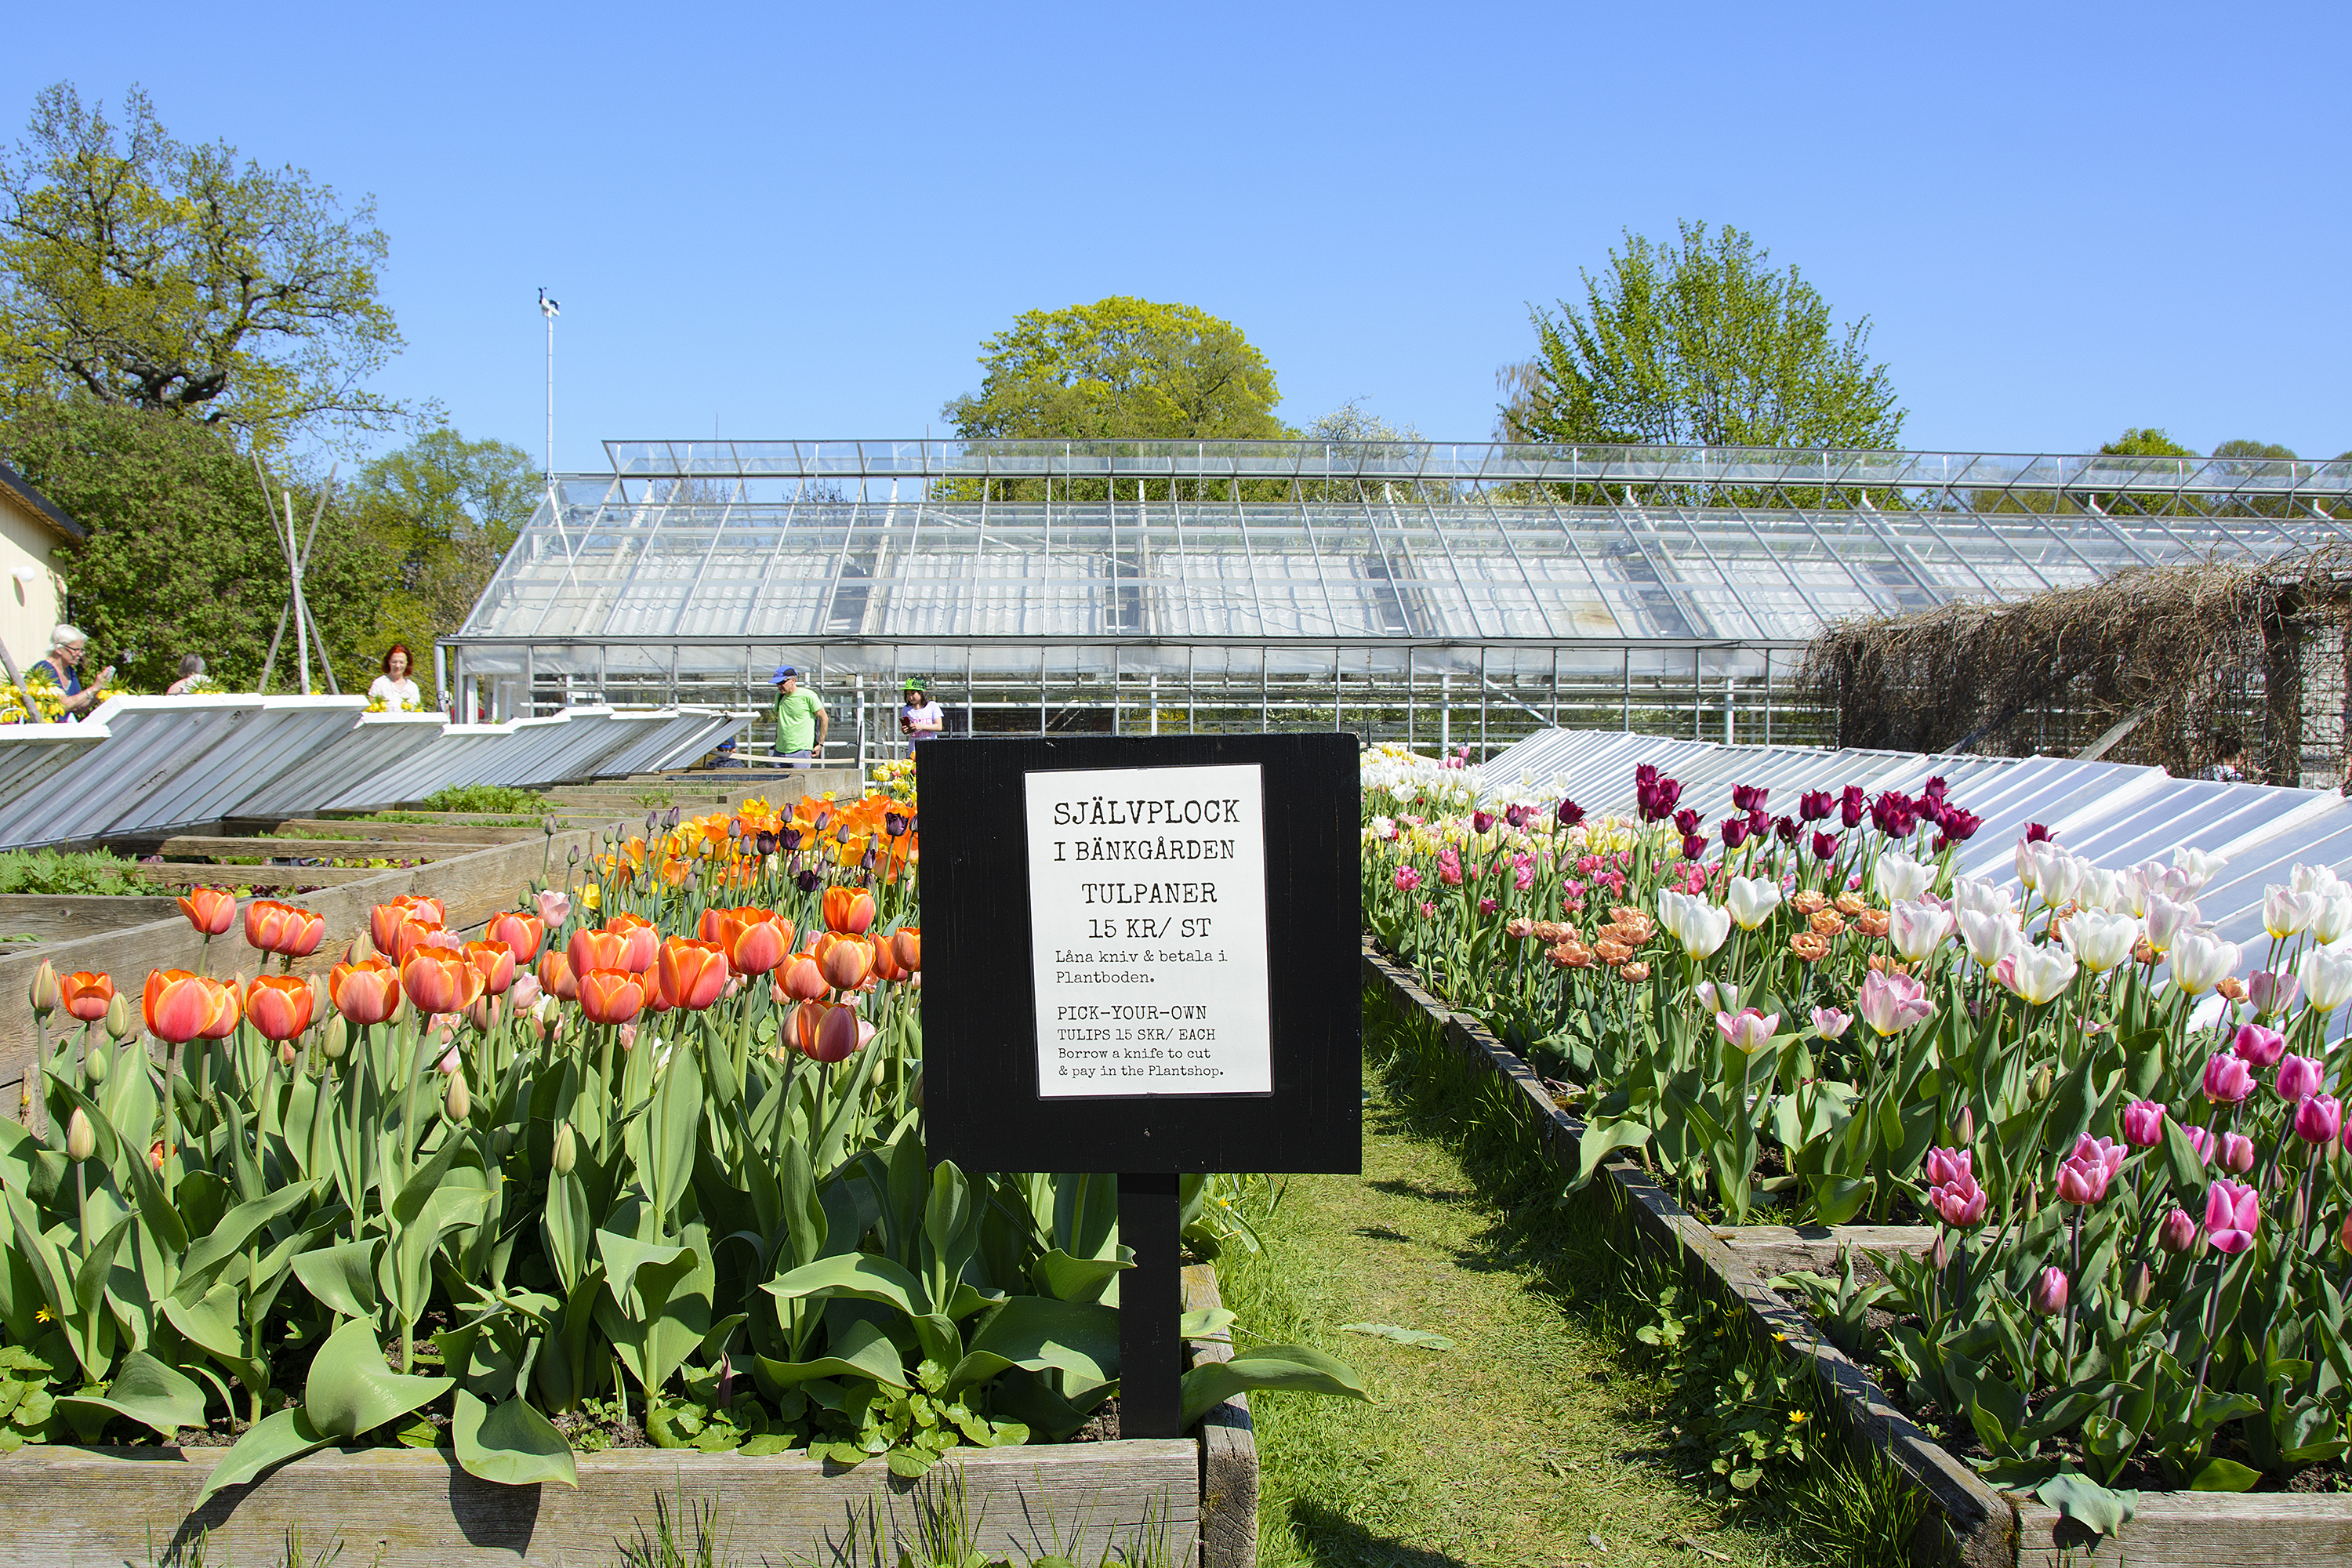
1569, 814
1735, 831
1693, 846
1758, 823
1824, 845
1853, 805
1748, 797
1816, 804
1686, 821
2036, 834
1785, 828
1481, 821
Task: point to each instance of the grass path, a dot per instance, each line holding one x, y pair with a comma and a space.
1520, 1445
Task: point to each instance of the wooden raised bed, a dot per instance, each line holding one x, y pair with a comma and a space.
1969, 1524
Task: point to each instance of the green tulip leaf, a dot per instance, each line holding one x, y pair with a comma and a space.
865, 1350
341, 1277
2221, 1475
860, 1276
352, 1389
227, 1239
267, 1444
1297, 1367
1041, 1335
510, 1443
2087, 1503
1067, 1279
150, 1393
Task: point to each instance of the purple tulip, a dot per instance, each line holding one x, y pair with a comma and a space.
2228, 1080
1825, 845
1569, 814
2143, 1123
2178, 1233
1816, 804
1735, 831
2319, 1119
2258, 1046
2299, 1077
2050, 1292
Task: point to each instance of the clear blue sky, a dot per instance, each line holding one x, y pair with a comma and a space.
801, 221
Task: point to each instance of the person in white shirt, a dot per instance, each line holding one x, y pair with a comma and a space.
394, 687
919, 718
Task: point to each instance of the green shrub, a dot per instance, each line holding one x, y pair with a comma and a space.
48, 871
484, 799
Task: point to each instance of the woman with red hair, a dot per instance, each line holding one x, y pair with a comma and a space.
394, 687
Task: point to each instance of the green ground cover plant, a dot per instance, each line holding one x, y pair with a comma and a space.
65, 874
486, 798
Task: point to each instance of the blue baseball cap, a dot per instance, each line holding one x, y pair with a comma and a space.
783, 673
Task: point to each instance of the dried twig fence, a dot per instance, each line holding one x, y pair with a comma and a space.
2148, 666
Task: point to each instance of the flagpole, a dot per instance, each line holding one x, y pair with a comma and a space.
548, 308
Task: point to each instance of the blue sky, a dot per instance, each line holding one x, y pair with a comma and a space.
801, 221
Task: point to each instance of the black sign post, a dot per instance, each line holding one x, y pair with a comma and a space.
1140, 956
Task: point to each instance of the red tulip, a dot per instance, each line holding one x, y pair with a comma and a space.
907, 947
85, 995
557, 977
848, 910
692, 973
364, 993
845, 959
610, 996
519, 931
439, 981
209, 910
496, 960
279, 1005
799, 980
643, 939
594, 949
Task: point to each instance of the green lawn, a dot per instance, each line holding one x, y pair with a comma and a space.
1520, 1445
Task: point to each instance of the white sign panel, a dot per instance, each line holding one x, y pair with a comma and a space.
1147, 913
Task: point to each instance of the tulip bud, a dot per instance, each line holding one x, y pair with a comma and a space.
567, 1151
2039, 1089
362, 949
286, 1053
338, 1040
43, 991
2142, 1283
121, 1015
81, 1138
1965, 1133
459, 1102
2178, 1233
2050, 1292
2343, 1237
95, 1066
2299, 1209
1943, 1254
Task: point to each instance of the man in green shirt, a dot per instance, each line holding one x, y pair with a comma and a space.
801, 721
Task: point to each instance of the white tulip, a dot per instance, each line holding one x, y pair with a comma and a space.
1978, 894
2039, 974
2101, 890
1990, 938
1717, 995
2029, 864
1918, 930
2061, 877
2197, 867
2167, 919
1752, 899
1901, 877
2334, 917
1705, 930
2326, 978
2100, 939
2285, 912
2201, 960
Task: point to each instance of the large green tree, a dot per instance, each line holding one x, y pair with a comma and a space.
183, 556
448, 510
147, 273
1699, 342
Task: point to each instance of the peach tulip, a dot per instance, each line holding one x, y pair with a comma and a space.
826, 1031
643, 939
610, 996
884, 959
557, 978
85, 995
439, 981
849, 910
279, 1005
756, 939
364, 993
592, 949
519, 931
845, 959
907, 946
496, 960
692, 973
210, 910
799, 980
177, 1005
385, 920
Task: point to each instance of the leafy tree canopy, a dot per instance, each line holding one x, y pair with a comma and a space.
1699, 342
2147, 441
183, 556
1120, 369
2259, 451
147, 273
448, 510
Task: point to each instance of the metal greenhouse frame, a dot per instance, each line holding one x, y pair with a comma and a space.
1434, 593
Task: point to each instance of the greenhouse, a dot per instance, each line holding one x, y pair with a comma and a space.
1440, 593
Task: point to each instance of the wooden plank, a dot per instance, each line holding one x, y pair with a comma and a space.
451, 831
209, 874
407, 1507
214, 845
63, 918
1229, 1473
2195, 1530
1781, 1248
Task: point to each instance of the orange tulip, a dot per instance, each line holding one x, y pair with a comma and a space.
209, 910
692, 973
85, 995
519, 931
364, 993
439, 981
707, 928
845, 959
302, 932
175, 1005
279, 1005
262, 923
643, 939
592, 950
557, 977
848, 910
227, 1011
826, 1031
885, 961
907, 947
385, 920
610, 996
799, 980
756, 939
496, 960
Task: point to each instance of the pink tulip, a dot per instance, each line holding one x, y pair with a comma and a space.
1892, 1003
1407, 879
2050, 1292
2272, 995
1832, 1023
553, 906
1750, 1030
2237, 1152
2232, 1214
2258, 1046
1427, 908
2143, 1123
2178, 1233
1945, 1166
2201, 1141
2081, 1181
2299, 1077
2228, 1079
2319, 1119
1960, 1204
2105, 1152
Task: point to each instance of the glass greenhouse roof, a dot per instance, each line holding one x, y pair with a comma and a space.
708, 547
